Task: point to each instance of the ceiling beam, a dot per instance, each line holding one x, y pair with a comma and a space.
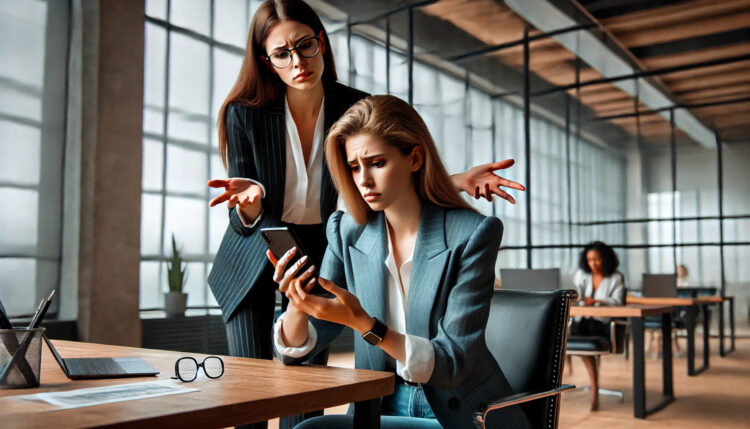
543, 15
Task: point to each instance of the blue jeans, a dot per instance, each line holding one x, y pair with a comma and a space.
407, 408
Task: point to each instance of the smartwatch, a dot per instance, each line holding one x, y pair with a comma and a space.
376, 334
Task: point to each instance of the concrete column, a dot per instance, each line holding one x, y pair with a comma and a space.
111, 112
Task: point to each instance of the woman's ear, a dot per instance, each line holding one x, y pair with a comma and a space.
417, 158
322, 42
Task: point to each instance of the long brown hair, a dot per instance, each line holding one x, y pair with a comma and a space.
398, 124
257, 85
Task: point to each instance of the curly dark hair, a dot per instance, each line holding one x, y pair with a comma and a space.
609, 258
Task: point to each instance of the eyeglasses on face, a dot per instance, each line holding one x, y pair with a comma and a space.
186, 368
306, 48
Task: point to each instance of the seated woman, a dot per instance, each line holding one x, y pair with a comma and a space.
598, 283
411, 268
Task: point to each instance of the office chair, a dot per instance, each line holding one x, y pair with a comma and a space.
527, 334
591, 348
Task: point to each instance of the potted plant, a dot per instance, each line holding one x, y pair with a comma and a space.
175, 301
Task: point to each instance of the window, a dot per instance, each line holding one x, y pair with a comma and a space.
180, 141
33, 51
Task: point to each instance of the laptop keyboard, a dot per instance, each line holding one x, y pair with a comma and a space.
94, 366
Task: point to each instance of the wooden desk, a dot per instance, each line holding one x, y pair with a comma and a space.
692, 305
250, 390
635, 313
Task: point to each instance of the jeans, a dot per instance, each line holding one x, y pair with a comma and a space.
407, 408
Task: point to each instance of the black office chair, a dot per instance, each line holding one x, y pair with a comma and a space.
591, 348
527, 333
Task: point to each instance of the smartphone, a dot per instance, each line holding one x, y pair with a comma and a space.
279, 241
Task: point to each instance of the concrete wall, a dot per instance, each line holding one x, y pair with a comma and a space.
103, 172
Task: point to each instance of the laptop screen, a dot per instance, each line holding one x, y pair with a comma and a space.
58, 358
660, 285
523, 279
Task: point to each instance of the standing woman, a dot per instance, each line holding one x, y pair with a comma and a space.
598, 283
272, 126
411, 266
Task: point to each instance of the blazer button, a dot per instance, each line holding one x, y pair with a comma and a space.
453, 403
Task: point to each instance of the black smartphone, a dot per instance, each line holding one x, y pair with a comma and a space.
279, 241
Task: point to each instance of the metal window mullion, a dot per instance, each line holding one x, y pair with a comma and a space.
388, 54
527, 141
720, 185
165, 122
673, 159
207, 193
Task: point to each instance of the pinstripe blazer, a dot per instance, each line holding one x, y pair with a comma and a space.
449, 301
256, 146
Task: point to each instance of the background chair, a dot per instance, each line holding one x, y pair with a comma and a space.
527, 333
664, 286
591, 348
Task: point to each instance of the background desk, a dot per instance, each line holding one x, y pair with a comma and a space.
250, 390
692, 305
636, 313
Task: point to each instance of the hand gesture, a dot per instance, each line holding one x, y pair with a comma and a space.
238, 191
481, 181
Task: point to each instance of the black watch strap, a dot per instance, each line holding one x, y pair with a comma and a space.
376, 334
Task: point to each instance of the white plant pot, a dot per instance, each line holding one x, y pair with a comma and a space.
175, 304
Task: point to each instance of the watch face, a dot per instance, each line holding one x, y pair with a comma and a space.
371, 338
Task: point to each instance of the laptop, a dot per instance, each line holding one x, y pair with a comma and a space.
530, 280
81, 368
660, 285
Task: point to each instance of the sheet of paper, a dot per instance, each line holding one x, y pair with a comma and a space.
108, 394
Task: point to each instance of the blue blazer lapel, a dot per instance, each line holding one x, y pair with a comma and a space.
368, 269
429, 262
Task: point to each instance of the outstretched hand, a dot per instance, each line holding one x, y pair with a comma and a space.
481, 181
237, 191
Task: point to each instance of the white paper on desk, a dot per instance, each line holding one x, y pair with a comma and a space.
108, 394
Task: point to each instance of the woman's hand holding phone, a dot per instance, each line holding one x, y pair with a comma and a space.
287, 277
344, 308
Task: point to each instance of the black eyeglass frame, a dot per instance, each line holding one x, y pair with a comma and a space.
198, 367
295, 49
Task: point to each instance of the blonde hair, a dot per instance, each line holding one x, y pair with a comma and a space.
397, 123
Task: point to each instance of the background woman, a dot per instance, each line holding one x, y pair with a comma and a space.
272, 126
598, 283
411, 266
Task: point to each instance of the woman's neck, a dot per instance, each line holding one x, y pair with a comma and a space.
305, 103
403, 215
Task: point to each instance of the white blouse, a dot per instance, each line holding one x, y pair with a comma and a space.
302, 183
611, 290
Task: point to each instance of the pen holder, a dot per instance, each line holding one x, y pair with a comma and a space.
20, 357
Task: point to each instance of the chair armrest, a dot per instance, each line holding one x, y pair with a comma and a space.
481, 414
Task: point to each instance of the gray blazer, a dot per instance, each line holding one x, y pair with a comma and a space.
449, 302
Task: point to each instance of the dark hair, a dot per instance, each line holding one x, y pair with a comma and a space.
257, 85
609, 258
